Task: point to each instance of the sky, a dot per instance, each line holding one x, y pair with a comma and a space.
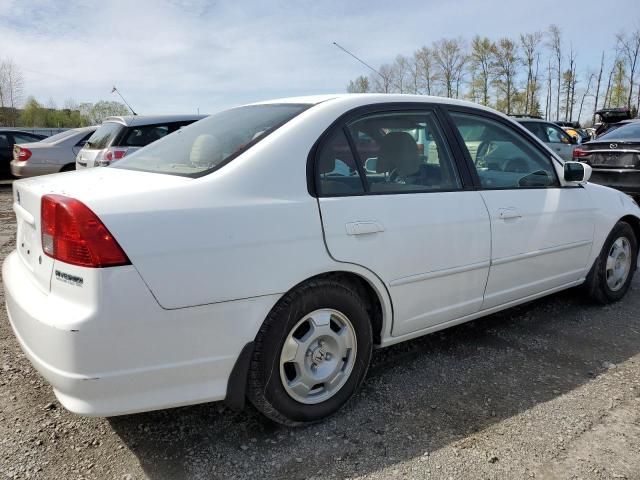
183, 56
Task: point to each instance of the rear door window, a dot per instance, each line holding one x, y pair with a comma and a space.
143, 135
104, 135
537, 129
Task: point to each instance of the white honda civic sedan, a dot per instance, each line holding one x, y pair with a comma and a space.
263, 252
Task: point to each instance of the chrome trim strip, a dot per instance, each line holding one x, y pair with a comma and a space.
616, 170
439, 273
536, 253
613, 150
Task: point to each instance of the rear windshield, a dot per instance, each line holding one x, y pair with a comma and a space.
104, 135
59, 136
627, 132
210, 143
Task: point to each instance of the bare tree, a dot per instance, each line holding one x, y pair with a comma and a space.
400, 73
595, 105
425, 66
505, 64
547, 113
585, 93
383, 82
11, 89
449, 58
629, 46
569, 81
555, 43
607, 98
530, 43
481, 61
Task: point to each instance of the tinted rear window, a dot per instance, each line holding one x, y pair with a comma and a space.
210, 143
627, 132
104, 135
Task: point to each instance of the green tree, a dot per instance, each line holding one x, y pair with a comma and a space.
481, 62
359, 85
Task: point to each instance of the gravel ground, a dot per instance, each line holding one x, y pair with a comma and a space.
546, 390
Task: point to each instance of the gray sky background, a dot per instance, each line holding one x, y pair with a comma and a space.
180, 55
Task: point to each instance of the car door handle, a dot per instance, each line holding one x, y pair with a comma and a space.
507, 213
362, 228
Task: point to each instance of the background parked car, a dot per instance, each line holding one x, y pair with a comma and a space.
8, 138
611, 116
51, 155
612, 126
118, 136
551, 134
615, 158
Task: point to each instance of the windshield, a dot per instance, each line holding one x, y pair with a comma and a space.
104, 135
627, 132
210, 143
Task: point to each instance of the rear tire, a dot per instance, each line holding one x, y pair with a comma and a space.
612, 272
68, 168
311, 354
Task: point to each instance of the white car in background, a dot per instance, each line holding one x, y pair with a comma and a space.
233, 260
120, 136
51, 155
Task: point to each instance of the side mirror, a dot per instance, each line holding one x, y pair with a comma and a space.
574, 140
577, 172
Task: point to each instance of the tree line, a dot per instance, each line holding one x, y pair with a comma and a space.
32, 113
534, 74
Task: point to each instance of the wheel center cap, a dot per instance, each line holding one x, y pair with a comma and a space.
318, 354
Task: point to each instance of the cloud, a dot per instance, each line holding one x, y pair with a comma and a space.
179, 55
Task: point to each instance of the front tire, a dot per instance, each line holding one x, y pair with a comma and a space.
612, 272
311, 354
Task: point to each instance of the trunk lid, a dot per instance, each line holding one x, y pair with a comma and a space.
92, 186
612, 154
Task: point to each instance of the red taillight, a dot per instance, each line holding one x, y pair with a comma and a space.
580, 153
114, 154
74, 234
24, 154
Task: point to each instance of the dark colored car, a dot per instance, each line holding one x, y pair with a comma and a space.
615, 158
8, 138
611, 116
612, 126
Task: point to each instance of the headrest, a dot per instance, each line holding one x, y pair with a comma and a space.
399, 153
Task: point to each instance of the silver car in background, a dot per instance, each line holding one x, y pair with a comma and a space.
555, 137
119, 136
51, 155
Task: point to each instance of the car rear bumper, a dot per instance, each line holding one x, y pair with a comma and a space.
30, 169
127, 354
625, 180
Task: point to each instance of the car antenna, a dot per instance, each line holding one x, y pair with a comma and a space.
366, 65
115, 90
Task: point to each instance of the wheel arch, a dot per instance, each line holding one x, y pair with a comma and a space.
634, 222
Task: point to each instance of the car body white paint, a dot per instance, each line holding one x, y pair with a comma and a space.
211, 256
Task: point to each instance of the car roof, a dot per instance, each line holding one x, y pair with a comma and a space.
355, 99
136, 120
532, 120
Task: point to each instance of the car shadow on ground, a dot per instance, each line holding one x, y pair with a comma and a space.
418, 397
